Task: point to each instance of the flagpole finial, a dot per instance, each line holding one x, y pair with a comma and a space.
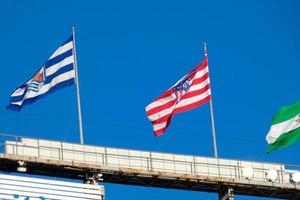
73, 30
205, 50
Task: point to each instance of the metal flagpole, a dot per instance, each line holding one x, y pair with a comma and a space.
212, 116
77, 88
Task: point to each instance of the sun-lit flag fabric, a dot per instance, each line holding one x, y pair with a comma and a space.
189, 92
285, 129
57, 72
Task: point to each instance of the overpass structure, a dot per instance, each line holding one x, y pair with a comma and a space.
151, 169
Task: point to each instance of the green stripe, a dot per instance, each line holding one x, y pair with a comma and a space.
287, 112
285, 140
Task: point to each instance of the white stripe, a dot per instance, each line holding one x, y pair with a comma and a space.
62, 49
5, 196
37, 195
198, 74
162, 113
47, 181
171, 97
277, 130
199, 86
35, 83
57, 193
159, 126
19, 103
183, 102
161, 101
201, 73
19, 91
33, 87
55, 186
49, 71
57, 66
45, 88
191, 100
61, 78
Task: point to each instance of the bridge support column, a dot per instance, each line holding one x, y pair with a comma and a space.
226, 193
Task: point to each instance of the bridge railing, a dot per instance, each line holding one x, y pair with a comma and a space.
142, 160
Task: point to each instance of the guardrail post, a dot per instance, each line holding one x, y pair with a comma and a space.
194, 163
239, 170
105, 152
219, 173
281, 173
103, 157
61, 157
38, 148
151, 166
16, 140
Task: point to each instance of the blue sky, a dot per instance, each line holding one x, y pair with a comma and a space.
129, 52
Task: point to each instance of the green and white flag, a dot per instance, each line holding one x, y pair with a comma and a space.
285, 129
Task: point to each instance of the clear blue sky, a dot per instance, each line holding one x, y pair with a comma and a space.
131, 52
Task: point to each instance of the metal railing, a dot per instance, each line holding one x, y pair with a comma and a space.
142, 160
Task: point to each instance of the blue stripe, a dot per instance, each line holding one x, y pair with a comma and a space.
62, 70
17, 98
58, 58
68, 40
32, 100
24, 85
33, 89
48, 80
33, 86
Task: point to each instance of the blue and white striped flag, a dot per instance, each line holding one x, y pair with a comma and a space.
56, 73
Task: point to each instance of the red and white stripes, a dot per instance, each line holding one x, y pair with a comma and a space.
161, 110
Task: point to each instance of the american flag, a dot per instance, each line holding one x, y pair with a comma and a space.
189, 92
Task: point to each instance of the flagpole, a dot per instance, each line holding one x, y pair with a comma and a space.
213, 130
77, 88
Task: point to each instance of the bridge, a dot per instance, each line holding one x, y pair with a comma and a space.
151, 169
